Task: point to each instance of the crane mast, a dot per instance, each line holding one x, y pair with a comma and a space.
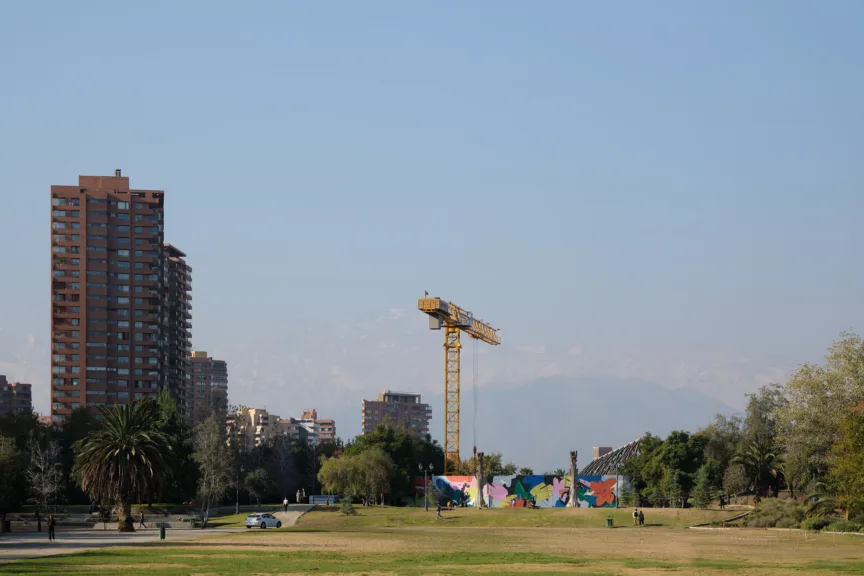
454, 320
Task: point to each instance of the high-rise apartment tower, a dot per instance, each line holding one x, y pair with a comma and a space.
107, 334
210, 380
177, 306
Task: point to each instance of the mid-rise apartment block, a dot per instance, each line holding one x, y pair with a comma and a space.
257, 427
15, 397
177, 306
210, 381
107, 333
399, 410
320, 430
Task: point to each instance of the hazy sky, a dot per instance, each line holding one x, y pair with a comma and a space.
654, 189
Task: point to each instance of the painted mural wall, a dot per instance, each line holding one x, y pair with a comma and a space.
528, 491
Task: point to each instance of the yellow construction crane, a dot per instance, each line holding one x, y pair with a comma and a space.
454, 320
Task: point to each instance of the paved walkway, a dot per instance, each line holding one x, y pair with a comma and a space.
293, 514
18, 546
22, 545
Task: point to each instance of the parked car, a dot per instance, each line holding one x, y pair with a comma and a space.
262, 521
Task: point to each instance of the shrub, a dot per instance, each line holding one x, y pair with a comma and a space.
787, 522
775, 513
814, 524
843, 526
347, 508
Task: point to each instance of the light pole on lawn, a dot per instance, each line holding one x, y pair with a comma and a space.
425, 485
237, 487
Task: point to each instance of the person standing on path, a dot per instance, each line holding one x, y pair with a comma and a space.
298, 496
141, 521
52, 522
285, 504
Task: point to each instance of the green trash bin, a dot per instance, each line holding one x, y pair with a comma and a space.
193, 522
162, 531
609, 522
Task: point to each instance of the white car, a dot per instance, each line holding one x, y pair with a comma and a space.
262, 521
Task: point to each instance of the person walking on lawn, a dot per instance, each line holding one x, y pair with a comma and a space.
52, 522
141, 521
285, 504
635, 516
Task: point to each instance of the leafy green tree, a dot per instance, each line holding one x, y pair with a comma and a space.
11, 479
723, 438
702, 490
818, 397
526, 471
256, 484
735, 480
124, 457
408, 454
846, 475
215, 463
378, 468
670, 487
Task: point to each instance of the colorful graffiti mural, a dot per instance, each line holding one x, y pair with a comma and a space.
528, 491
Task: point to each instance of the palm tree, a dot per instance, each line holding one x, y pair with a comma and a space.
124, 457
822, 501
759, 460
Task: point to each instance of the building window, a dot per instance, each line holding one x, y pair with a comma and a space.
59, 213
122, 205
58, 201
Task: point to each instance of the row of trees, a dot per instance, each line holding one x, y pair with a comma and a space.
381, 467
143, 453
805, 437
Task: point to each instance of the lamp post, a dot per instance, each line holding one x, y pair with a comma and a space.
237, 487
425, 485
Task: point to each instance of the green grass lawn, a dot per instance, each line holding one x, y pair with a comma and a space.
382, 517
388, 542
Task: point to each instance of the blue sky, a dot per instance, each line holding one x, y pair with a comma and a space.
653, 190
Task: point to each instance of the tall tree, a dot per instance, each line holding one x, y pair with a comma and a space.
214, 462
735, 480
11, 465
124, 457
846, 458
44, 473
702, 493
256, 483
378, 467
818, 399
761, 462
